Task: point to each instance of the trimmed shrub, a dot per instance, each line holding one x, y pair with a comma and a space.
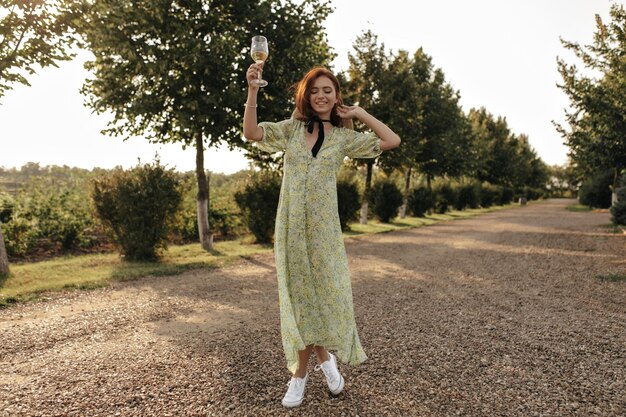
19, 236
420, 201
468, 196
348, 202
618, 210
137, 206
385, 199
595, 191
258, 203
490, 194
507, 195
445, 198
533, 193
7, 204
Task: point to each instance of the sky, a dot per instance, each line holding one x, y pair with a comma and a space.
499, 54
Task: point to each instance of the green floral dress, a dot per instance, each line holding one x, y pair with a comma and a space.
314, 290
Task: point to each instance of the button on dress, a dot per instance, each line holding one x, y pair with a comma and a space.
314, 289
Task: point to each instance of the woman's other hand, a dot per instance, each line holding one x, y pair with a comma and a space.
350, 112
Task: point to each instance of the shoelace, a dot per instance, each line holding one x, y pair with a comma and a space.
295, 384
330, 375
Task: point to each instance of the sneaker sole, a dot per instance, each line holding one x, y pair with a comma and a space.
292, 405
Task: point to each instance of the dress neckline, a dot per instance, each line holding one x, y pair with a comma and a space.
309, 151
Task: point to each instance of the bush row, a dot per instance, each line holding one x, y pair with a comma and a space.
143, 208
446, 197
48, 216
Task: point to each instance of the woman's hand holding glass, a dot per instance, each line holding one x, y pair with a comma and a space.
254, 73
259, 51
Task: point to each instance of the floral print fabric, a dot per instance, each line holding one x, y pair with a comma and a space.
314, 289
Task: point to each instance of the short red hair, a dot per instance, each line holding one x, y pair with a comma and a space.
304, 110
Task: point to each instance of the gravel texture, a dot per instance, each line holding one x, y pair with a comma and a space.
498, 315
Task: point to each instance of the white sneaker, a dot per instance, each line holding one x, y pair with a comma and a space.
333, 377
295, 393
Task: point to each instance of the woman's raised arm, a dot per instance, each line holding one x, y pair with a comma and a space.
251, 129
388, 138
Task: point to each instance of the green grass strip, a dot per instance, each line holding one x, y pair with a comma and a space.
578, 207
29, 280
612, 277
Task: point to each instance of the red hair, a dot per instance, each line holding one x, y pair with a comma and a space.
304, 110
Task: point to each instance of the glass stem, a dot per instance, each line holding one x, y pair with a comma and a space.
260, 77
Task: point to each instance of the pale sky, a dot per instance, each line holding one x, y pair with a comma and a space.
500, 54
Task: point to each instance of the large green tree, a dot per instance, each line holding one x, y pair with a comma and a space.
595, 135
502, 157
494, 149
174, 71
424, 108
368, 63
33, 34
445, 145
401, 108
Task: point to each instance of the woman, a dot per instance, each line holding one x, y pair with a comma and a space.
315, 295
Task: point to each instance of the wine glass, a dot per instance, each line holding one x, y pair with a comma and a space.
259, 52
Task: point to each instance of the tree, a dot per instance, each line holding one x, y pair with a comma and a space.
563, 180
596, 121
175, 71
33, 33
424, 109
494, 149
445, 146
368, 66
502, 157
401, 105
4, 260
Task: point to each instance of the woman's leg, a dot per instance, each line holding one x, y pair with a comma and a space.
303, 361
329, 367
321, 353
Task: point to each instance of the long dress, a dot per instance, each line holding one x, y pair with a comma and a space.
314, 289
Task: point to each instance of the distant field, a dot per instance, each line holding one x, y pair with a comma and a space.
8, 186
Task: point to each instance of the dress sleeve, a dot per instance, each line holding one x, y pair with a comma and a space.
361, 145
275, 136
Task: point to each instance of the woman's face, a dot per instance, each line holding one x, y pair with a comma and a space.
323, 96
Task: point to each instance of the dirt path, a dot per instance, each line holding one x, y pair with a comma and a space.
501, 314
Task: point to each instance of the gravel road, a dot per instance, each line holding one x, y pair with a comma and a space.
497, 315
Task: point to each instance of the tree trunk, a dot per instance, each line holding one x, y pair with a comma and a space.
4, 259
429, 186
204, 232
366, 193
614, 188
405, 198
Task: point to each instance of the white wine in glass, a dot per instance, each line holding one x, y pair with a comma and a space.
259, 52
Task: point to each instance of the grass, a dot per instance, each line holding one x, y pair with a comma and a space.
374, 226
578, 207
612, 277
612, 228
28, 281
